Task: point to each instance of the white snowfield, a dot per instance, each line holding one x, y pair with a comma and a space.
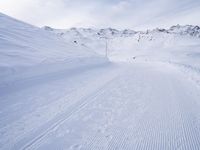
56, 93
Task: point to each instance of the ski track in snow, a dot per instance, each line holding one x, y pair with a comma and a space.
76, 108
127, 106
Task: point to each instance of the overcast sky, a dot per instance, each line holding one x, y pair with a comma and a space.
134, 14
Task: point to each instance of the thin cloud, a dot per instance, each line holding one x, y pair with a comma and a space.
137, 14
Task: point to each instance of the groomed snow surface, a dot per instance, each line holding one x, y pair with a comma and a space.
59, 94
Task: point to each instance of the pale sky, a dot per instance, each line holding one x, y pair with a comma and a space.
134, 14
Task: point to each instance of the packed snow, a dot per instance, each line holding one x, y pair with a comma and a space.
59, 89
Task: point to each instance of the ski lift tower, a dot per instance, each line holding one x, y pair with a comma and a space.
106, 45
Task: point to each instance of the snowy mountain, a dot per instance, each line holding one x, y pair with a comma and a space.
98, 88
185, 30
25, 49
112, 33
125, 44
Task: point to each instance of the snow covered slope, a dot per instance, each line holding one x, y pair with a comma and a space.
177, 45
123, 45
58, 91
26, 50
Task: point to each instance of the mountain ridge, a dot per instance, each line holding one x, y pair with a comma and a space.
192, 30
